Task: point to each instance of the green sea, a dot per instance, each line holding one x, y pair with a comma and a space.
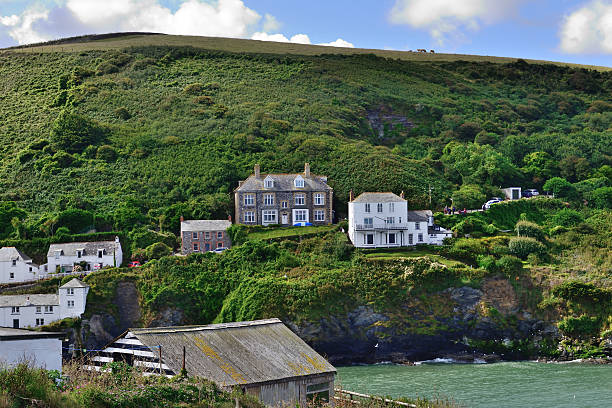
508, 384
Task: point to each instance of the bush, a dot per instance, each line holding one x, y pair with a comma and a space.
601, 197
122, 113
583, 326
581, 292
567, 218
523, 246
72, 132
470, 225
530, 229
158, 250
75, 219
194, 89
63, 159
469, 196
106, 67
203, 100
106, 153
561, 188
510, 265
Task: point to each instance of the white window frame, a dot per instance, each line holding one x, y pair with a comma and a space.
249, 216
410, 239
298, 182
391, 207
367, 207
219, 234
269, 199
284, 204
300, 215
40, 322
100, 253
15, 310
365, 239
269, 217
390, 220
38, 310
48, 309
420, 238
11, 275
368, 221
207, 235
71, 304
392, 235
379, 207
269, 182
300, 199
70, 291
249, 199
319, 199
79, 253
219, 244
14, 262
196, 246
417, 225
319, 215
194, 235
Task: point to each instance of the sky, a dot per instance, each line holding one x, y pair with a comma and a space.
577, 31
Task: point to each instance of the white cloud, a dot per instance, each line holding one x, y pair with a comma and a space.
339, 43
21, 27
298, 39
588, 29
449, 18
270, 23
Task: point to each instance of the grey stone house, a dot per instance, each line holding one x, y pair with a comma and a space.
285, 199
204, 235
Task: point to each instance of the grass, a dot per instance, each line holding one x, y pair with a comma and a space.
268, 47
379, 254
288, 232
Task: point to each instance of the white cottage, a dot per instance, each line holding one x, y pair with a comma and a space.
15, 266
96, 255
31, 310
382, 220
40, 349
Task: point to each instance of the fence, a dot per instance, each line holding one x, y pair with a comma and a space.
358, 398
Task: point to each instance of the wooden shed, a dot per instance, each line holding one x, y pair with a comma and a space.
263, 358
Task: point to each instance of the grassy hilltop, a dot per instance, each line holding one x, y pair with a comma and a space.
124, 134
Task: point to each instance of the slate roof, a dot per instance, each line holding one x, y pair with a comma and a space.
284, 182
20, 334
378, 198
10, 253
74, 283
205, 225
236, 353
29, 300
419, 215
90, 248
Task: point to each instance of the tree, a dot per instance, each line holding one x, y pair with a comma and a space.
574, 168
602, 197
567, 218
75, 219
72, 132
468, 131
8, 212
540, 166
561, 188
469, 196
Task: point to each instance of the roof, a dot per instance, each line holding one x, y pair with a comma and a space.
284, 182
205, 225
74, 283
20, 334
378, 198
419, 215
90, 248
29, 300
236, 353
10, 253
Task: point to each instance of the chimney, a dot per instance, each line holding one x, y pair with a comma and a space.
182, 218
256, 169
229, 218
402, 194
116, 239
307, 169
430, 221
351, 195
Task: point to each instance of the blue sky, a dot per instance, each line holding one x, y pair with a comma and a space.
561, 30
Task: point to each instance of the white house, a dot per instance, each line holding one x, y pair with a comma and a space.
18, 311
63, 257
40, 349
382, 220
512, 193
15, 266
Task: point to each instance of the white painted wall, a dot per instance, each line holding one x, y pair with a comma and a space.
68, 261
27, 316
44, 353
398, 211
78, 296
22, 271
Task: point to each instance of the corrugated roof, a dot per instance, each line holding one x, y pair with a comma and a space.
29, 300
236, 353
378, 198
284, 182
419, 215
205, 225
75, 283
20, 334
90, 248
10, 253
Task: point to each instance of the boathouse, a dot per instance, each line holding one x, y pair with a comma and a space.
263, 358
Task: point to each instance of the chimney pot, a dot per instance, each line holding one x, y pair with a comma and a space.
229, 218
257, 171
351, 195
182, 218
402, 194
307, 169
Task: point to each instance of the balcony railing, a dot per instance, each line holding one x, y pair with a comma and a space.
380, 227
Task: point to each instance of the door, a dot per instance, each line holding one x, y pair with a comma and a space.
15, 323
285, 219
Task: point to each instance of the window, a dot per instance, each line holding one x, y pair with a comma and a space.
410, 240
269, 216
30, 269
284, 204
70, 291
417, 225
249, 199
196, 247
269, 182
100, 253
299, 199
207, 235
319, 215
390, 220
38, 309
15, 310
319, 199
194, 235
317, 393
207, 247
368, 239
57, 254
391, 207
48, 309
368, 222
219, 244
367, 207
299, 182
391, 239
268, 199
70, 304
420, 237
14, 262
379, 207
12, 275
249, 216
79, 253
220, 235
301, 215
40, 322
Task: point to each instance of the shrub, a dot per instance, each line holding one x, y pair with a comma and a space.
72, 132
510, 265
158, 250
220, 111
567, 218
63, 159
602, 197
487, 262
583, 326
194, 89
557, 230
106, 67
523, 246
26, 155
203, 100
75, 219
60, 99
530, 229
106, 153
171, 140
469, 196
580, 292
470, 225
561, 188
122, 113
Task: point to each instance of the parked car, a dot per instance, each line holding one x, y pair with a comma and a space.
134, 264
488, 204
532, 192
218, 250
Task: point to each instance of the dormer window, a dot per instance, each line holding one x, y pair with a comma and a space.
269, 182
299, 182
57, 254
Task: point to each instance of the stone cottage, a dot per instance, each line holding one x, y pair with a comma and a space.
204, 235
